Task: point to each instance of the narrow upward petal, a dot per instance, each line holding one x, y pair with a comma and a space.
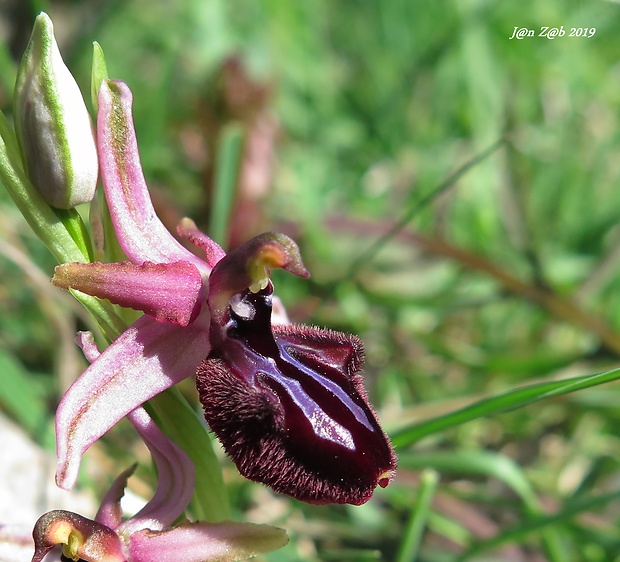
140, 233
175, 479
110, 512
146, 359
188, 230
172, 292
198, 542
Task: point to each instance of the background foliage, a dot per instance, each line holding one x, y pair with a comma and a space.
353, 114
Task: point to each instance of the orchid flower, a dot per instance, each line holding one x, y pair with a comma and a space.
287, 402
150, 534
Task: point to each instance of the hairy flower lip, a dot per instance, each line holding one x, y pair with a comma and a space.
287, 402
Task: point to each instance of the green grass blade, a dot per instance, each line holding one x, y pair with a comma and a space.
489, 464
226, 173
537, 524
410, 544
485, 463
508, 401
426, 200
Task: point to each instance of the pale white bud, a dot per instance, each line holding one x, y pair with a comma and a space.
53, 127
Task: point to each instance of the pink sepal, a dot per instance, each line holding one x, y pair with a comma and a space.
197, 542
171, 292
140, 233
146, 359
175, 479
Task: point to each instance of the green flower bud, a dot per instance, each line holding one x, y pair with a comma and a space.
53, 126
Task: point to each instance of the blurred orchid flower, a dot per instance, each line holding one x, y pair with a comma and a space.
287, 402
150, 534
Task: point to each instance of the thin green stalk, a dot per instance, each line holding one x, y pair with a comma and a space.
418, 206
77, 229
410, 544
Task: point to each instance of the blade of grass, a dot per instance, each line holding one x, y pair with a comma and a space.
501, 403
536, 524
485, 463
418, 206
226, 173
410, 544
492, 464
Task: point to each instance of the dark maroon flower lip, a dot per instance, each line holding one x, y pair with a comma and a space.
288, 402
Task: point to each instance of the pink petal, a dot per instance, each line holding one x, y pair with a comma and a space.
110, 512
187, 229
175, 479
140, 232
82, 539
86, 342
198, 542
171, 292
146, 359
248, 265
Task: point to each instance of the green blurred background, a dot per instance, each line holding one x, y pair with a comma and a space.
351, 115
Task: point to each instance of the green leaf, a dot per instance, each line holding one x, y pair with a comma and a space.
410, 543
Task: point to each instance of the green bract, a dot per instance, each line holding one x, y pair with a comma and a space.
53, 127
